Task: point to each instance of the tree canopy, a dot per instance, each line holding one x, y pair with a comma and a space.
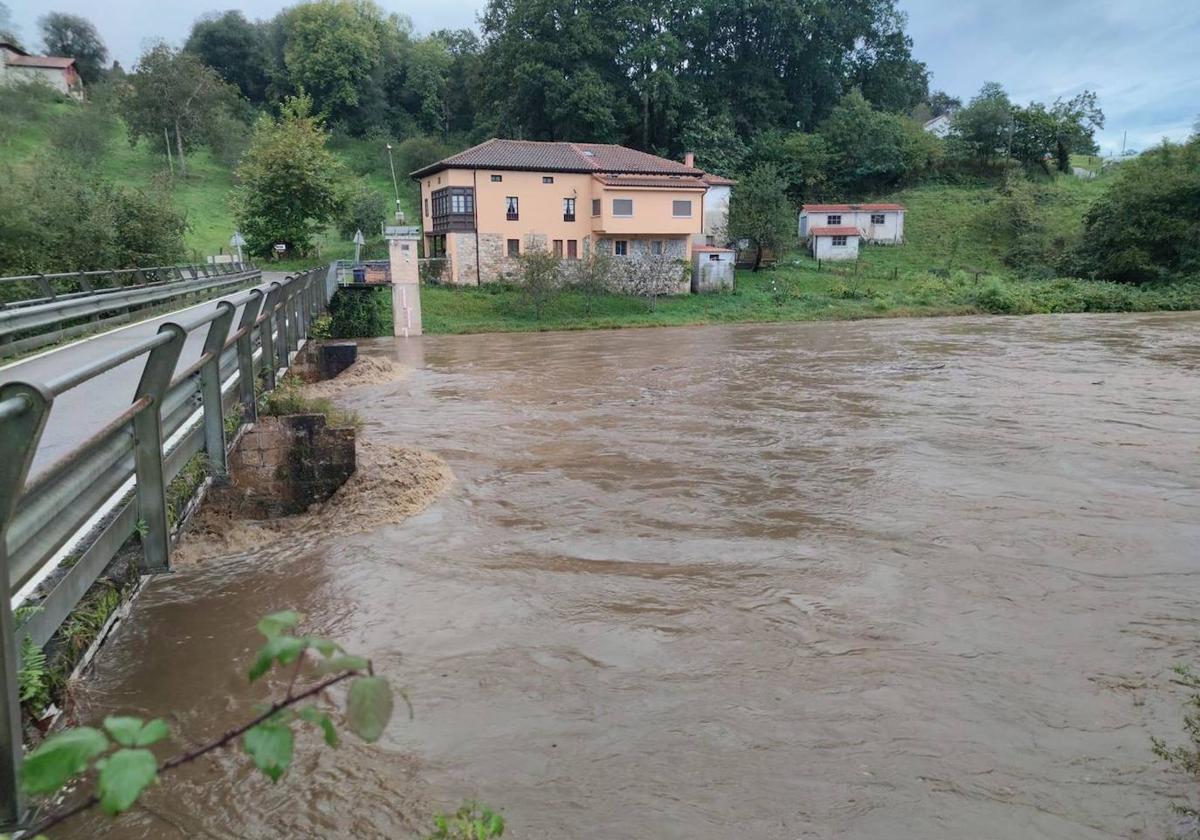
76, 37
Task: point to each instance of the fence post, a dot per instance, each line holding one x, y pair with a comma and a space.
288, 323
266, 337
245, 354
147, 451
210, 388
44, 285
23, 412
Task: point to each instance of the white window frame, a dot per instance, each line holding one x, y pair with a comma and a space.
620, 247
882, 219
656, 247
839, 241
617, 215
833, 221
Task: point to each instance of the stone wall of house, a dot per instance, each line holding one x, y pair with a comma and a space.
463, 264
282, 465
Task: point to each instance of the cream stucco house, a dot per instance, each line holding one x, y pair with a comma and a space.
483, 207
881, 224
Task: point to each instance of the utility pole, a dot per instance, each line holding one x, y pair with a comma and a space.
395, 184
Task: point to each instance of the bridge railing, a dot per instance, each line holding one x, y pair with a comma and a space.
113, 485
46, 308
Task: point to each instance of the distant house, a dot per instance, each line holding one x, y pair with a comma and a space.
839, 242
882, 224
59, 73
485, 206
716, 208
940, 125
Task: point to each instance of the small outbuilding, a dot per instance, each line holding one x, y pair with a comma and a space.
879, 224
834, 243
712, 269
18, 66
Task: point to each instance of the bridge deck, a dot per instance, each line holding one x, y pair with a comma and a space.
80, 412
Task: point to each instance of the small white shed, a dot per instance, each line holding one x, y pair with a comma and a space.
712, 269
834, 243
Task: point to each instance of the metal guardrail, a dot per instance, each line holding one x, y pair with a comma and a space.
39, 518
36, 321
365, 272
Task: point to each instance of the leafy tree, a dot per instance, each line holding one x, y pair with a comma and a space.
886, 72
804, 161
331, 49
716, 143
360, 208
1146, 225
759, 211
8, 30
540, 282
174, 94
75, 36
287, 180
872, 150
985, 125
940, 102
235, 48
589, 277
428, 66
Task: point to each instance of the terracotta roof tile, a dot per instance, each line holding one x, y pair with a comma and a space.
677, 182
40, 61
842, 230
848, 208
558, 157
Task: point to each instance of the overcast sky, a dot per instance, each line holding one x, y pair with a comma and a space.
1142, 58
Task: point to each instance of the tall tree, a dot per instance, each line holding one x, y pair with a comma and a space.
76, 37
331, 51
8, 30
873, 150
985, 125
287, 180
235, 48
173, 94
759, 211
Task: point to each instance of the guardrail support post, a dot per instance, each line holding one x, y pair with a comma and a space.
210, 389
19, 436
245, 354
44, 285
147, 451
287, 323
266, 334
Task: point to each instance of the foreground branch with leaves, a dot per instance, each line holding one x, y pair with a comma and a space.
117, 758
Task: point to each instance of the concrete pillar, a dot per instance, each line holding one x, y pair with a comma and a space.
406, 280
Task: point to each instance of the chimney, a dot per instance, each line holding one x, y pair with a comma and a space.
689, 159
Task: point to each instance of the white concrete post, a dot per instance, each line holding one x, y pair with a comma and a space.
406, 280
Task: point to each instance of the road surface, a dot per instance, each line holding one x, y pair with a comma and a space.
78, 413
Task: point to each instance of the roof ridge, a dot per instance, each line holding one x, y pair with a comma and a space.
583, 156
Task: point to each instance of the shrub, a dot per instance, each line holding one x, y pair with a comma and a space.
360, 208
540, 282
83, 133
589, 277
361, 313
288, 398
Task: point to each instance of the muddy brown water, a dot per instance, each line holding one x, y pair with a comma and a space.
876, 580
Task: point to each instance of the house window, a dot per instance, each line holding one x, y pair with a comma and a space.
427, 207
710, 241
620, 248
681, 209
512, 208
656, 247
623, 207
452, 208
839, 242
497, 178
876, 218
462, 203
437, 246
833, 220
547, 179
714, 257
572, 249
558, 248
568, 209
514, 247
595, 207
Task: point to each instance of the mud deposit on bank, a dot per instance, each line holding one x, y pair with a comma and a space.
905, 579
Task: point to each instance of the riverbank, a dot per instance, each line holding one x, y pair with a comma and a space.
799, 290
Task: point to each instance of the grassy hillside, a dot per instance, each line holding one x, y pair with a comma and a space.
203, 194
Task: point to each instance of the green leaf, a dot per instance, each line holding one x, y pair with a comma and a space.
275, 623
315, 716
369, 707
344, 663
324, 646
271, 746
495, 823
153, 732
123, 730
123, 777
60, 757
281, 649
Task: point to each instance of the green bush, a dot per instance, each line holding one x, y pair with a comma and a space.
360, 208
361, 313
288, 398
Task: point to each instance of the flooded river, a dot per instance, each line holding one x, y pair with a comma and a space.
897, 579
